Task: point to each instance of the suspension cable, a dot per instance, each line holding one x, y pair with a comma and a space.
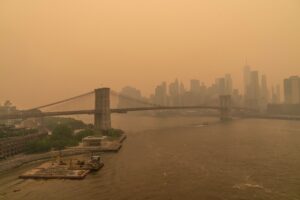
61, 101
133, 99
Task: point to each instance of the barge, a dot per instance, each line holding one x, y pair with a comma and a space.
60, 169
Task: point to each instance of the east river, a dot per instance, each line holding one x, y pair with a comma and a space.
178, 158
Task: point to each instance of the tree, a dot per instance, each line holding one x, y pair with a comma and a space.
84, 133
62, 131
38, 146
61, 137
52, 122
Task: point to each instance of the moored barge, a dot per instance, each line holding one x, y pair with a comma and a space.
59, 169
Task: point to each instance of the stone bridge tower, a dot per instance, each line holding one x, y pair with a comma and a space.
225, 103
102, 109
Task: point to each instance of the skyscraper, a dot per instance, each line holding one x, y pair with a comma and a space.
292, 90
264, 92
228, 84
224, 85
253, 96
221, 85
160, 96
130, 92
195, 86
174, 93
278, 94
247, 70
264, 87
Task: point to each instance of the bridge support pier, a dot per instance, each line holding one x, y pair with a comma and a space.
102, 120
225, 103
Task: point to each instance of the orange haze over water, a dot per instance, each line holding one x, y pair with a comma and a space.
53, 49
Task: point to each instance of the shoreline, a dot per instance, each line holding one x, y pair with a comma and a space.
20, 160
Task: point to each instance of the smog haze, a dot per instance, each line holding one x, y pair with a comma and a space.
53, 49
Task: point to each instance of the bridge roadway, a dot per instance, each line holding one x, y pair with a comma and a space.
37, 113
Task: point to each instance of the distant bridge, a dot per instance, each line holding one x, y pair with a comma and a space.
102, 112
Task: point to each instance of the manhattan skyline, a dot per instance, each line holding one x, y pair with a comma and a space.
59, 49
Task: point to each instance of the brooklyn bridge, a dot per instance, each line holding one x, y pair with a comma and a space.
102, 108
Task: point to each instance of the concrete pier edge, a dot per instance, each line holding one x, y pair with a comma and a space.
18, 161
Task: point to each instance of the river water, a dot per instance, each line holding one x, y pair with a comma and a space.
177, 158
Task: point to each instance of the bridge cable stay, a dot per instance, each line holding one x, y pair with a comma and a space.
145, 102
133, 99
61, 101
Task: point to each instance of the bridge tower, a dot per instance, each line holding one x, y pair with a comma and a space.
225, 103
102, 120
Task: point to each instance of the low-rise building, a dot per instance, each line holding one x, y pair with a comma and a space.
10, 146
92, 141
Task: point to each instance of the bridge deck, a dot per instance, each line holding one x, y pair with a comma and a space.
34, 114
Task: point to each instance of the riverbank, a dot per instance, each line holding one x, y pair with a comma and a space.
22, 159
168, 158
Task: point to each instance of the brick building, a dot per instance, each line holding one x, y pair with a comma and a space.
13, 145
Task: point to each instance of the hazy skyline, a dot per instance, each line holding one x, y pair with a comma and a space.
54, 49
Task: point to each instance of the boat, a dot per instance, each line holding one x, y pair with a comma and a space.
94, 164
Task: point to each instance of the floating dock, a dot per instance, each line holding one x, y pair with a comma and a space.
62, 170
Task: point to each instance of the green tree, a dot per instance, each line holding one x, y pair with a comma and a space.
52, 122
61, 137
38, 146
62, 131
84, 133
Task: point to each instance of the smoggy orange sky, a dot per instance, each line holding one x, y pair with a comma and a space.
52, 49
